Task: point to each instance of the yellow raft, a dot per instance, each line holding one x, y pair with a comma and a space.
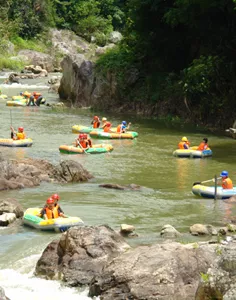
96, 149
113, 135
87, 129
192, 152
20, 101
16, 143
58, 225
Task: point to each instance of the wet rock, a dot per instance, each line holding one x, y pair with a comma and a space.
3, 295
162, 271
11, 206
7, 218
200, 229
169, 231
31, 172
131, 186
231, 200
80, 254
127, 230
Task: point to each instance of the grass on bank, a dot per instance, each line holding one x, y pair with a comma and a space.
36, 44
11, 64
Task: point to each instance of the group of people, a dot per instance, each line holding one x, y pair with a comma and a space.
185, 144
106, 126
33, 99
84, 142
52, 209
226, 182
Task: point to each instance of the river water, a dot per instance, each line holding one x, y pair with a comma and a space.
165, 198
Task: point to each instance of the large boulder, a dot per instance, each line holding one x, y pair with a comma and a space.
162, 271
45, 61
115, 37
31, 172
80, 254
11, 206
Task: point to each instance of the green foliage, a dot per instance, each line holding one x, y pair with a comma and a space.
205, 277
36, 44
11, 64
218, 250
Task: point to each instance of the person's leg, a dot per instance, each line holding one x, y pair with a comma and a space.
38, 101
31, 100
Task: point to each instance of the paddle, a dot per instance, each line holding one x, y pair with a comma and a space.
12, 133
200, 182
82, 147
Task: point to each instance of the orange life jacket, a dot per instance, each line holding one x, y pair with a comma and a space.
36, 95
107, 127
20, 136
52, 213
202, 146
227, 184
96, 124
181, 145
118, 128
84, 144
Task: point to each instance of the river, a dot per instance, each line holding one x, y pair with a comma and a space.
165, 198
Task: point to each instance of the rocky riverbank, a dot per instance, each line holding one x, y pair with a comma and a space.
31, 172
100, 258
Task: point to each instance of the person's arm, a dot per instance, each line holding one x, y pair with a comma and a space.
13, 133
61, 213
186, 146
127, 128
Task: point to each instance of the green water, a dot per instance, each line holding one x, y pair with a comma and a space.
165, 198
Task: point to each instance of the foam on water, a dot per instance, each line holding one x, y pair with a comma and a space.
24, 86
21, 281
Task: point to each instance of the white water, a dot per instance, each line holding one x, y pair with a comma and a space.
20, 283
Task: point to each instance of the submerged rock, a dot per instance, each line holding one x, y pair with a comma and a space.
115, 186
80, 254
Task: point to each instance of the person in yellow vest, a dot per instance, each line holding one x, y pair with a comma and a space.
20, 135
184, 144
51, 211
226, 182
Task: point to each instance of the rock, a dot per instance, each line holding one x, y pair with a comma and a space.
169, 231
102, 50
68, 43
115, 37
2, 294
56, 105
13, 78
7, 218
131, 186
31, 172
45, 61
80, 254
200, 229
126, 230
11, 206
54, 83
162, 271
223, 231
231, 200
219, 280
231, 227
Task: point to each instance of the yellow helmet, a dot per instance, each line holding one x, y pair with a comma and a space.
104, 119
184, 139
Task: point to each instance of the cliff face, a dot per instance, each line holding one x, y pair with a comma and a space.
82, 87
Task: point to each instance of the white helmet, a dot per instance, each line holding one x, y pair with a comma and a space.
104, 119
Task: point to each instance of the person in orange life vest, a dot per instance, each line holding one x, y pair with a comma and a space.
87, 139
38, 97
184, 144
203, 146
226, 182
122, 128
51, 211
95, 122
20, 135
56, 198
81, 142
107, 127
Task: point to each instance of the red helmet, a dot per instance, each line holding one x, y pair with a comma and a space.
21, 129
81, 136
50, 200
95, 117
34, 93
108, 124
55, 197
85, 136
